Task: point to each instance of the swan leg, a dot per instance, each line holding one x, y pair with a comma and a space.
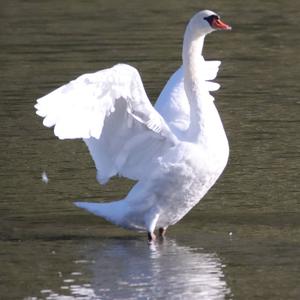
151, 224
162, 232
151, 237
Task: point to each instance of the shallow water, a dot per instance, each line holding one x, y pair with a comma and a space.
241, 242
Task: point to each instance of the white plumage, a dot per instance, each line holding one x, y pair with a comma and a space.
176, 151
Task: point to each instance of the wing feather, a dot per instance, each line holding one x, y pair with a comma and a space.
173, 103
110, 110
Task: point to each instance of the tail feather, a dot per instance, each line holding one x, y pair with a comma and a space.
114, 212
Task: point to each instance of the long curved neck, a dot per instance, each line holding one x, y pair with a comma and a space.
192, 64
192, 52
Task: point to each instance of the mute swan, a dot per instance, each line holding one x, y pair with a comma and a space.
176, 152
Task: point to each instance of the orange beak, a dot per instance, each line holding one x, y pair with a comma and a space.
218, 24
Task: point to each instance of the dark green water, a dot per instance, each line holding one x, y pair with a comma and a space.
241, 242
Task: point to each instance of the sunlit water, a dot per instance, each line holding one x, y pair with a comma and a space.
129, 268
241, 242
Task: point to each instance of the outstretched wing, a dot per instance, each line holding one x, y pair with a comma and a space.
110, 110
172, 103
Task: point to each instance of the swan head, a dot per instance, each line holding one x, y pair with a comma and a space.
205, 22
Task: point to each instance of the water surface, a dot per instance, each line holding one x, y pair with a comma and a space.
241, 242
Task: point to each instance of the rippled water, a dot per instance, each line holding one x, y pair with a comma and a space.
130, 269
241, 242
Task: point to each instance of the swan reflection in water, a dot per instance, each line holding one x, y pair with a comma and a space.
130, 269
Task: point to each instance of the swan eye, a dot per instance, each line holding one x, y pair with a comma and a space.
211, 19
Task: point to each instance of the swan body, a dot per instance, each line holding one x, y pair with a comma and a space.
175, 151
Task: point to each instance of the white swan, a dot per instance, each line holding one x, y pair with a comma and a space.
176, 152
